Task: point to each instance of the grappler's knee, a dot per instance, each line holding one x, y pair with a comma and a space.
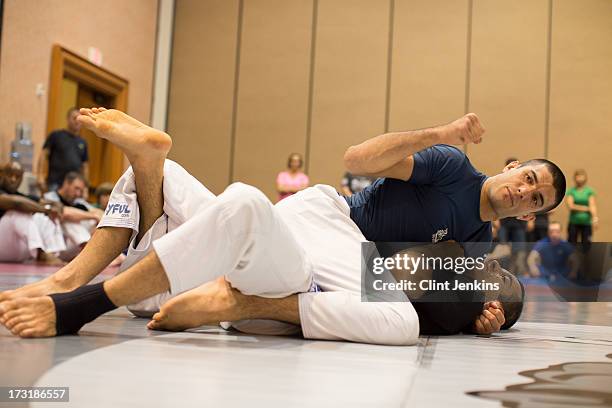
247, 200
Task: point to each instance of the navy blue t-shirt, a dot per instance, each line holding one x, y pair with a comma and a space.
67, 152
554, 257
440, 202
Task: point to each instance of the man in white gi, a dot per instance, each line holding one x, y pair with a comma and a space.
203, 259
29, 229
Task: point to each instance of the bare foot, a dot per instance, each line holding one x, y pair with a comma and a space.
29, 317
137, 140
47, 259
210, 303
44, 287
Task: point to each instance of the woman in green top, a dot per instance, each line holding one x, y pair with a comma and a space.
583, 211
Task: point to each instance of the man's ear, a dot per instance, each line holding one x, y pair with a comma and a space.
491, 264
511, 165
528, 217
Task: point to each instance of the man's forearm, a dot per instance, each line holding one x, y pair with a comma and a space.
283, 309
23, 204
381, 152
77, 215
533, 262
390, 153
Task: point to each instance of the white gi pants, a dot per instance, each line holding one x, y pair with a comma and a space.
75, 234
22, 235
264, 250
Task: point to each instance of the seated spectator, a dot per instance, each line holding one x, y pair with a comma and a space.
102, 194
29, 228
79, 217
553, 257
352, 184
293, 179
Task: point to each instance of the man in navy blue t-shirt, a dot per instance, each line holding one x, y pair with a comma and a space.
428, 190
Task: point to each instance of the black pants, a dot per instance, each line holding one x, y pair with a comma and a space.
585, 232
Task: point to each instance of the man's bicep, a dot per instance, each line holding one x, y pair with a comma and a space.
401, 170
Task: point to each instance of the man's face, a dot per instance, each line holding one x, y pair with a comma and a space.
521, 191
12, 177
73, 125
70, 191
554, 233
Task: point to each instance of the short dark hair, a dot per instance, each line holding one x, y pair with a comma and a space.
510, 160
104, 189
74, 175
291, 157
72, 109
558, 181
513, 309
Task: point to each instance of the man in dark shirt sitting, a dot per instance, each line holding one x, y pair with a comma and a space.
64, 151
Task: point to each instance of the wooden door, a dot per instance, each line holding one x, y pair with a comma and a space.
97, 148
96, 87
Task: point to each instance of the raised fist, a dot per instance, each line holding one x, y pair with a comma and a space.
464, 130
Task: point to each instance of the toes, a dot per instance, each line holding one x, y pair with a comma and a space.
7, 306
6, 295
13, 322
86, 121
85, 111
159, 322
8, 316
101, 109
29, 333
19, 327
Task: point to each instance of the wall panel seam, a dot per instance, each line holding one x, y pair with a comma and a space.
313, 46
389, 63
236, 87
548, 73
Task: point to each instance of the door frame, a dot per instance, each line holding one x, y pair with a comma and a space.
67, 64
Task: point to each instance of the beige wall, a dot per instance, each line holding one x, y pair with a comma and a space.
123, 30
273, 93
202, 88
258, 83
581, 98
